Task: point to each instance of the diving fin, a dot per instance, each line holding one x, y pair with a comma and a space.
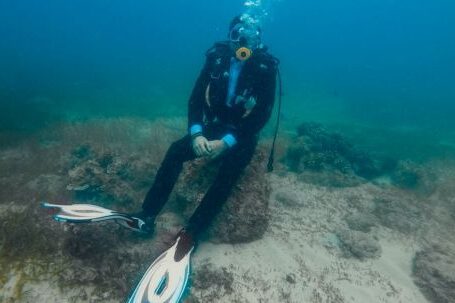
87, 213
166, 279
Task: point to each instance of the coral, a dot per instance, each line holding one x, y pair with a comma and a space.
434, 272
413, 176
317, 149
359, 245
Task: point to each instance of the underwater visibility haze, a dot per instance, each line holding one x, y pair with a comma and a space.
361, 203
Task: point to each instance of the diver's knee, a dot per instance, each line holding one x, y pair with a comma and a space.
177, 149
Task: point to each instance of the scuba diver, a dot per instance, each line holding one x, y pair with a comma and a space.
231, 102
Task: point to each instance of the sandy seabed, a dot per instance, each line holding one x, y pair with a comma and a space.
298, 259
312, 250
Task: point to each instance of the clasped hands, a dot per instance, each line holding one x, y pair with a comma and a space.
205, 148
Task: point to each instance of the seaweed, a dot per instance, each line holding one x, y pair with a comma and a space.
25, 235
111, 163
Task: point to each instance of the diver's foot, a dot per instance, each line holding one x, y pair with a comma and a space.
185, 245
141, 222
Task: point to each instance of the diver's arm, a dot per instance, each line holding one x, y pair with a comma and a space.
196, 102
229, 140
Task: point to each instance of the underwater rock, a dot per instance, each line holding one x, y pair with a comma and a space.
116, 161
108, 177
360, 222
112, 178
245, 215
317, 149
434, 273
359, 245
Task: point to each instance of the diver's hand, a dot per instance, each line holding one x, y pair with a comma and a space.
201, 146
218, 147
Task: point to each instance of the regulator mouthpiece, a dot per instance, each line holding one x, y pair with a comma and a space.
243, 53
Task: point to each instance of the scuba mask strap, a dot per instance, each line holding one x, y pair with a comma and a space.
272, 150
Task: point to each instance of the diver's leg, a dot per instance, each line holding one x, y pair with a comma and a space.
167, 175
231, 168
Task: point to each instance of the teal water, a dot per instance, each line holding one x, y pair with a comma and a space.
382, 65
84, 86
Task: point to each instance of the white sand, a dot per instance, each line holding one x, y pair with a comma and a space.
260, 273
298, 245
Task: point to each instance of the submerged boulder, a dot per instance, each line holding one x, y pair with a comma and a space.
116, 162
117, 179
109, 177
245, 215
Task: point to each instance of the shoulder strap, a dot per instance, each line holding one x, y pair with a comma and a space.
219, 48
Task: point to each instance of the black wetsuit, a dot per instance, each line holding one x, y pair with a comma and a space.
208, 109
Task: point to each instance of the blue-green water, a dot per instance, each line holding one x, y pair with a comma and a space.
387, 63
380, 72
